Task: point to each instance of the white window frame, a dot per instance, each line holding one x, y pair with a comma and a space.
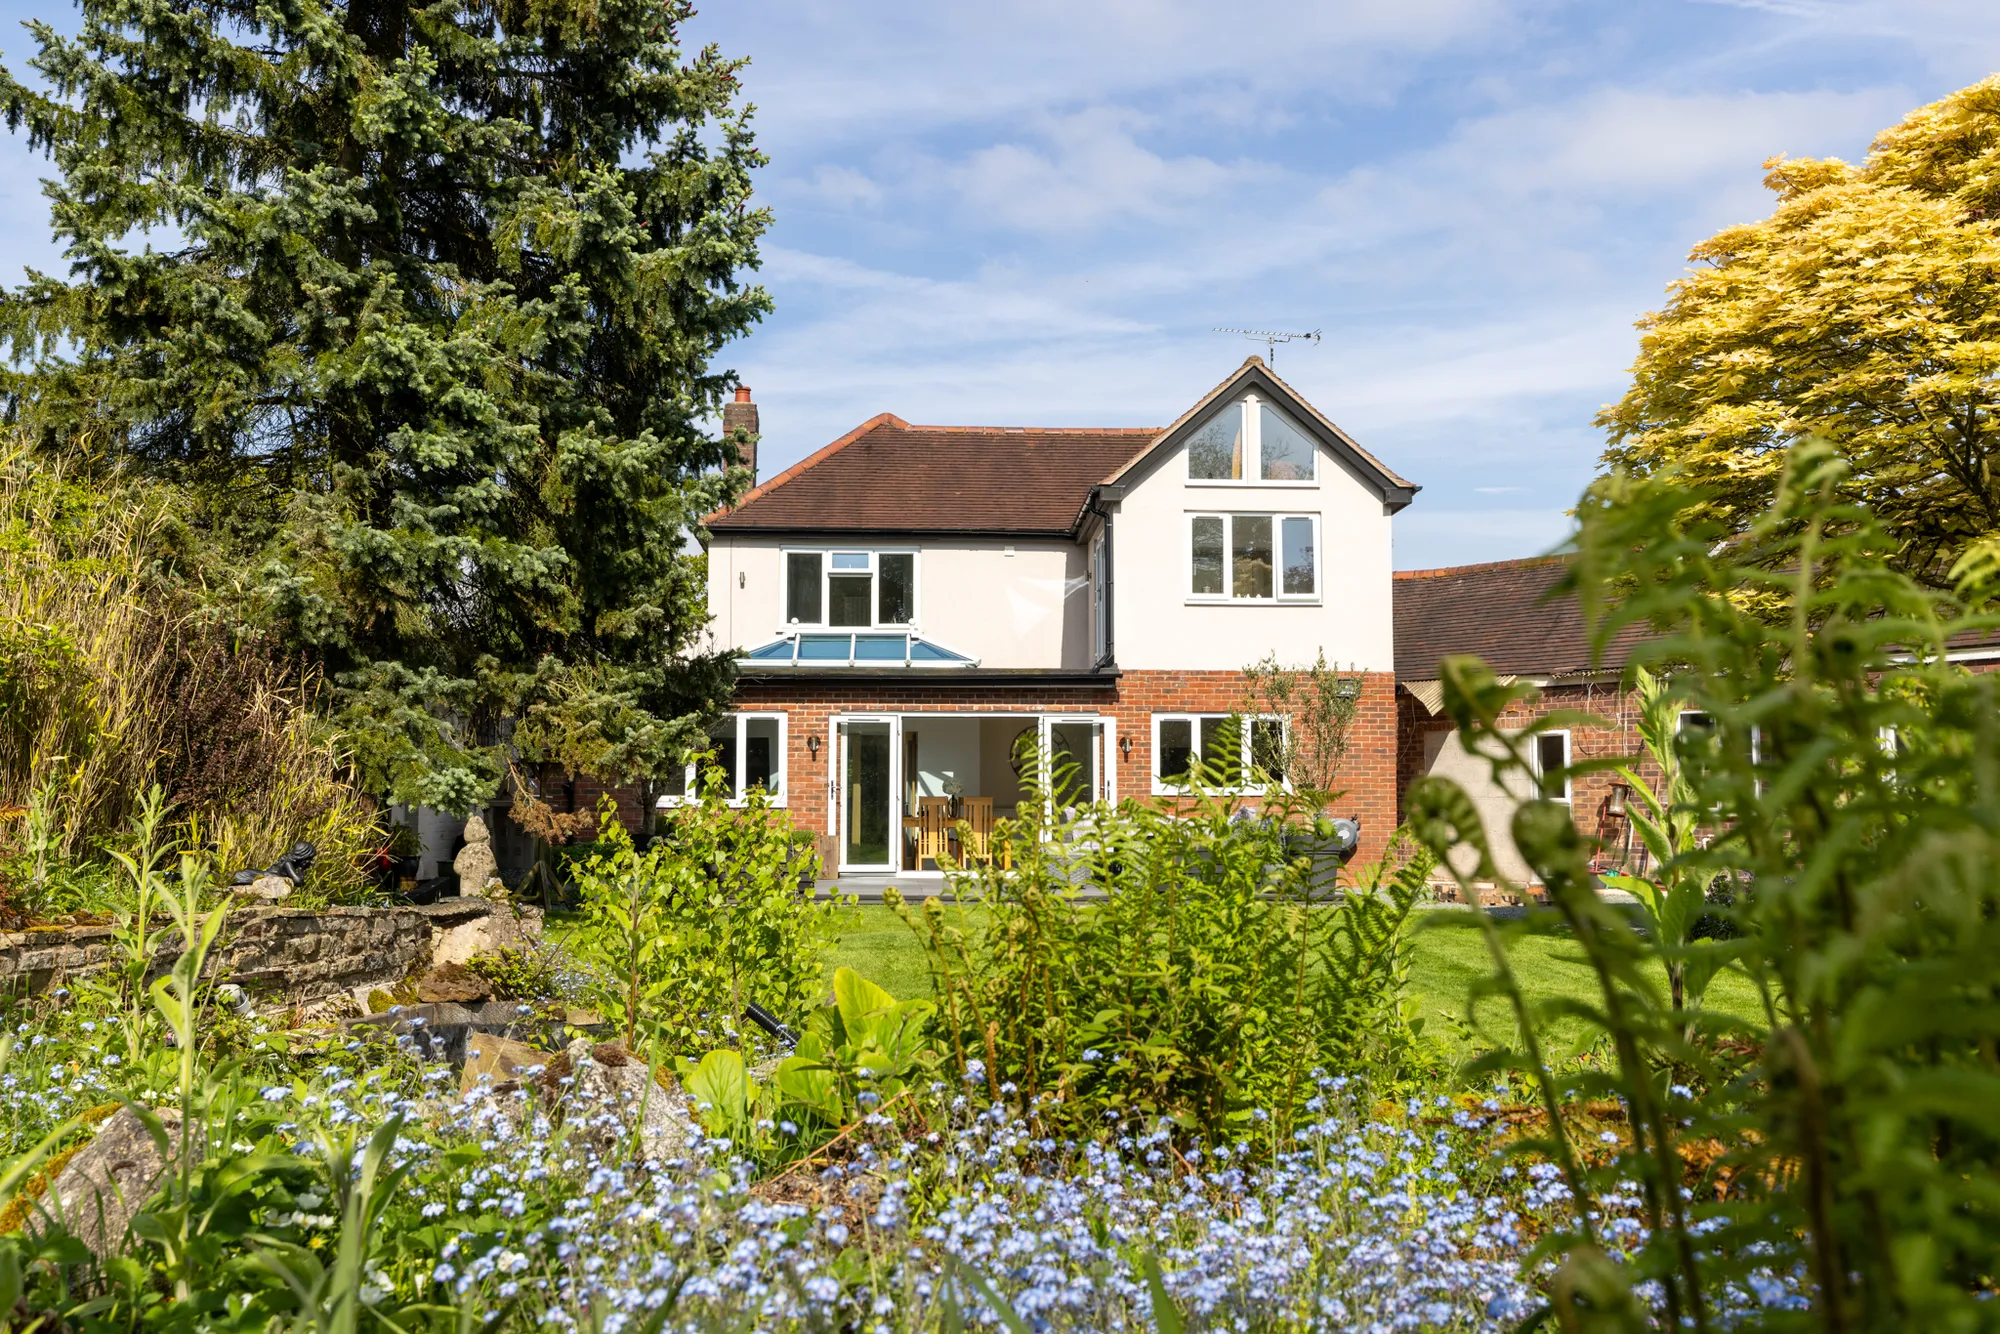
1253, 448
780, 795
1278, 594
1569, 758
1163, 787
826, 572
1100, 628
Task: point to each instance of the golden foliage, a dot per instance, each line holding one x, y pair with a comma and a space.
1865, 309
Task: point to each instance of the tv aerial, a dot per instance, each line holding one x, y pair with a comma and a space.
1270, 338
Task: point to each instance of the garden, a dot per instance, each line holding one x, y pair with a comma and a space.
1219, 1095
375, 489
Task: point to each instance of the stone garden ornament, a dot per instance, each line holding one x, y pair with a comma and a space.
478, 870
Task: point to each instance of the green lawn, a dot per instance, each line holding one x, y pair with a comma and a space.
1450, 954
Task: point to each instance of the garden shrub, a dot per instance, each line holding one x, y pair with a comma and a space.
861, 1054
1213, 975
1847, 802
112, 682
717, 913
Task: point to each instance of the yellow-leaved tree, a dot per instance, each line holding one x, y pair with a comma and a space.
1865, 309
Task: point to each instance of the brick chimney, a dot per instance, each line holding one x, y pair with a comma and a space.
743, 414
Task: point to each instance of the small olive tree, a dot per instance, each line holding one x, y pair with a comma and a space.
1318, 703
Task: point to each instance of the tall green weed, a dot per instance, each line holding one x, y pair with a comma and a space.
1847, 799
719, 912
1193, 963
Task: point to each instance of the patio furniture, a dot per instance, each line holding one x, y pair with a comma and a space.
933, 830
976, 832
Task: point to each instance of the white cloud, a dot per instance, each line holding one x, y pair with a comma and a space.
1090, 170
837, 187
827, 73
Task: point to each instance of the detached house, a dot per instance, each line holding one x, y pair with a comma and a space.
910, 602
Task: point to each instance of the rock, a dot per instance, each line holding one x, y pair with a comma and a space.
498, 1061
464, 929
269, 888
611, 1091
440, 1031
453, 982
110, 1179
478, 870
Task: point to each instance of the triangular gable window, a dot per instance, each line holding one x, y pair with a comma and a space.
1251, 441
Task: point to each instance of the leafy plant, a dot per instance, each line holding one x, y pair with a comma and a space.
1669, 823
1317, 704
709, 918
1214, 973
1853, 1127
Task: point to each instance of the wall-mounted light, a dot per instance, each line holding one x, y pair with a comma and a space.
812, 746
1125, 746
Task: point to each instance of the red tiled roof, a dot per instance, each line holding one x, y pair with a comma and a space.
1500, 611
889, 476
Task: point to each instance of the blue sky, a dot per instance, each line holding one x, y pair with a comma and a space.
1034, 211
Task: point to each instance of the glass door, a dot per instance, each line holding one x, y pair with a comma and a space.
1078, 754
870, 809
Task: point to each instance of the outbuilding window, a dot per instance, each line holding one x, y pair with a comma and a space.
1552, 764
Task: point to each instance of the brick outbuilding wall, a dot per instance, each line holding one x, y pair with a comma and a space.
1615, 736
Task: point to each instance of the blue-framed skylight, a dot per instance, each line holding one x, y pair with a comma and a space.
865, 649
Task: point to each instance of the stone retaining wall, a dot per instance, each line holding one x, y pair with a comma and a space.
294, 956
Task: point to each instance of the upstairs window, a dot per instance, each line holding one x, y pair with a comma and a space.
1250, 441
1253, 557
858, 589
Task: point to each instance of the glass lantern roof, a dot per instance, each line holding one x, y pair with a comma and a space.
862, 649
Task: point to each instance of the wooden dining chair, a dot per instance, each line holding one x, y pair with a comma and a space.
976, 832
933, 830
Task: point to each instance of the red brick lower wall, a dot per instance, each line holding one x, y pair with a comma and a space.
1368, 774
1617, 736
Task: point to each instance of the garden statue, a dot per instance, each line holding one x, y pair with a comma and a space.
478, 871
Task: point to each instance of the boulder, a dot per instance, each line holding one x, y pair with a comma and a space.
453, 982
110, 1179
266, 888
478, 869
499, 1061
440, 1031
612, 1092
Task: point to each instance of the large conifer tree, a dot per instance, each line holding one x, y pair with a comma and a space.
418, 302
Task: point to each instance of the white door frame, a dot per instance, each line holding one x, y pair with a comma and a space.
836, 806
1107, 748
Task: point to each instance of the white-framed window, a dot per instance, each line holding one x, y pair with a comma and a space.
750, 748
1551, 760
1253, 557
854, 588
1100, 600
1179, 737
1249, 442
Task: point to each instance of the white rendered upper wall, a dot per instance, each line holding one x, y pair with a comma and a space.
1161, 623
1007, 604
